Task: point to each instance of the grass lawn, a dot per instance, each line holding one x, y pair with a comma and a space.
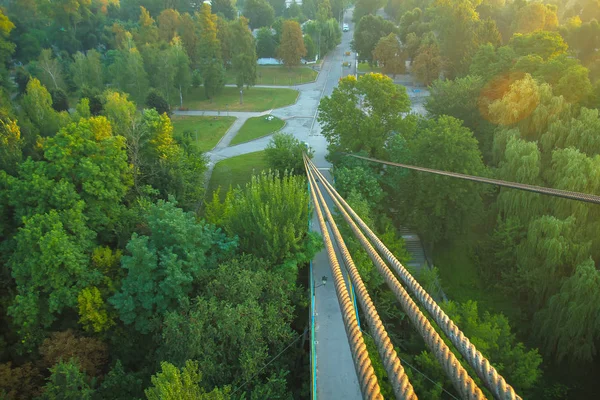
278, 75
235, 171
365, 67
207, 131
255, 99
461, 281
256, 127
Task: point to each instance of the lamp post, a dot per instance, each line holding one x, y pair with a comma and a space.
324, 280
241, 96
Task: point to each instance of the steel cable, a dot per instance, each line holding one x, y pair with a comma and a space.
486, 372
589, 198
398, 378
362, 363
460, 378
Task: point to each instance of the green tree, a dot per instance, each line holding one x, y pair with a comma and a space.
359, 179
544, 44
569, 326
37, 104
67, 382
182, 78
157, 101
189, 38
369, 30
224, 7
266, 45
60, 100
11, 146
291, 47
362, 114
163, 267
174, 384
86, 70
440, 207
254, 308
120, 385
389, 55
128, 73
259, 12
7, 48
51, 71
88, 155
93, 314
211, 65
50, 267
366, 7
244, 50
536, 16
284, 153
269, 200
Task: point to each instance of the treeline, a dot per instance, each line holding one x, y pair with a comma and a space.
163, 48
521, 106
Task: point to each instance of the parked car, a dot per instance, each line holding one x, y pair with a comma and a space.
346, 28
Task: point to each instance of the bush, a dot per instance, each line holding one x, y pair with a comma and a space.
284, 152
60, 101
157, 101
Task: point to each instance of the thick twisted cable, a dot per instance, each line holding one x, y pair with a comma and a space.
460, 378
486, 372
589, 198
362, 363
398, 378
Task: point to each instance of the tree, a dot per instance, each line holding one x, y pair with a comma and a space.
369, 30
157, 101
362, 114
536, 16
50, 267
515, 104
86, 71
311, 48
361, 180
428, 63
544, 44
189, 38
51, 70
173, 384
168, 24
273, 199
163, 267
88, 155
244, 50
93, 314
67, 382
181, 64
389, 54
224, 7
259, 12
129, 74
211, 66
366, 7
266, 45
253, 305
37, 104
284, 153
7, 48
11, 145
569, 325
91, 354
291, 47
439, 207
60, 101
19, 383
120, 385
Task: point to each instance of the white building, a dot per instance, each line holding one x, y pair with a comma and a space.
288, 3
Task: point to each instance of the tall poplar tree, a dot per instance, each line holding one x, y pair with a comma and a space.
211, 65
244, 53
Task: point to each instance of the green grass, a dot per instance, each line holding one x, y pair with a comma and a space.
365, 67
279, 75
255, 99
256, 127
207, 131
235, 171
461, 280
